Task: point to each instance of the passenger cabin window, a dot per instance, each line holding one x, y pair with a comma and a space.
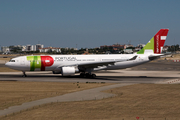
12, 61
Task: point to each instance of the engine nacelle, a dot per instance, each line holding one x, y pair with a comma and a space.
56, 72
66, 71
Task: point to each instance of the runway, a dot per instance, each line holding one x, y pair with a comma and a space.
115, 76
152, 72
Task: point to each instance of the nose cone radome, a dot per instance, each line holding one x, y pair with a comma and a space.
10, 65
7, 64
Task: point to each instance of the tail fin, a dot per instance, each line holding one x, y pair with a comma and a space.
156, 43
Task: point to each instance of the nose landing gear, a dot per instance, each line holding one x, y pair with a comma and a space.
24, 74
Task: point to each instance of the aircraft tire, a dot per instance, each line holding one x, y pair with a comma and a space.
82, 75
87, 75
93, 76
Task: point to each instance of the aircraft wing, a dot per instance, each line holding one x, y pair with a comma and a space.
103, 63
96, 64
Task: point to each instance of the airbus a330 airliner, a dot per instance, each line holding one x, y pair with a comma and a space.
86, 64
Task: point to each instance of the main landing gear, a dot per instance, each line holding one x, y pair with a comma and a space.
24, 74
87, 75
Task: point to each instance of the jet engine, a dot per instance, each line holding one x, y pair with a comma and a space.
66, 71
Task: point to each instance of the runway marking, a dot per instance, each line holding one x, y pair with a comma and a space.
174, 81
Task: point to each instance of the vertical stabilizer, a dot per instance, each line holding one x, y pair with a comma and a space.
156, 43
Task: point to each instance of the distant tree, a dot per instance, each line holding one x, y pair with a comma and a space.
177, 47
173, 48
81, 51
49, 51
37, 51
130, 48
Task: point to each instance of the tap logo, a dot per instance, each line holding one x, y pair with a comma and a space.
40, 62
156, 43
46, 61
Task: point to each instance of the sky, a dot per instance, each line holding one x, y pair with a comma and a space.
87, 23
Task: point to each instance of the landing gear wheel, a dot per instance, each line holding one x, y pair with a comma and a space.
87, 75
82, 75
93, 76
24, 76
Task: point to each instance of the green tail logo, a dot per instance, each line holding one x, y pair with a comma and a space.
156, 43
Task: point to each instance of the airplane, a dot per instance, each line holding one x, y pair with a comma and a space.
86, 64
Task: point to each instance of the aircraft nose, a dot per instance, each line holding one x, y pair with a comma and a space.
7, 64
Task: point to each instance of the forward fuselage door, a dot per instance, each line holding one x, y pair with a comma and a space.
22, 61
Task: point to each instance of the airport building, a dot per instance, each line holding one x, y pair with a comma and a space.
5, 49
34, 47
23, 48
28, 48
114, 46
53, 49
128, 51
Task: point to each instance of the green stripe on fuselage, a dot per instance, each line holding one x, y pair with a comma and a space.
35, 62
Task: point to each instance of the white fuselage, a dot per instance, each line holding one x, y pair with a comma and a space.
121, 61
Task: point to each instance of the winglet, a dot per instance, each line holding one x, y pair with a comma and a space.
156, 44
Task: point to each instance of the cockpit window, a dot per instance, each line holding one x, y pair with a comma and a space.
12, 61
